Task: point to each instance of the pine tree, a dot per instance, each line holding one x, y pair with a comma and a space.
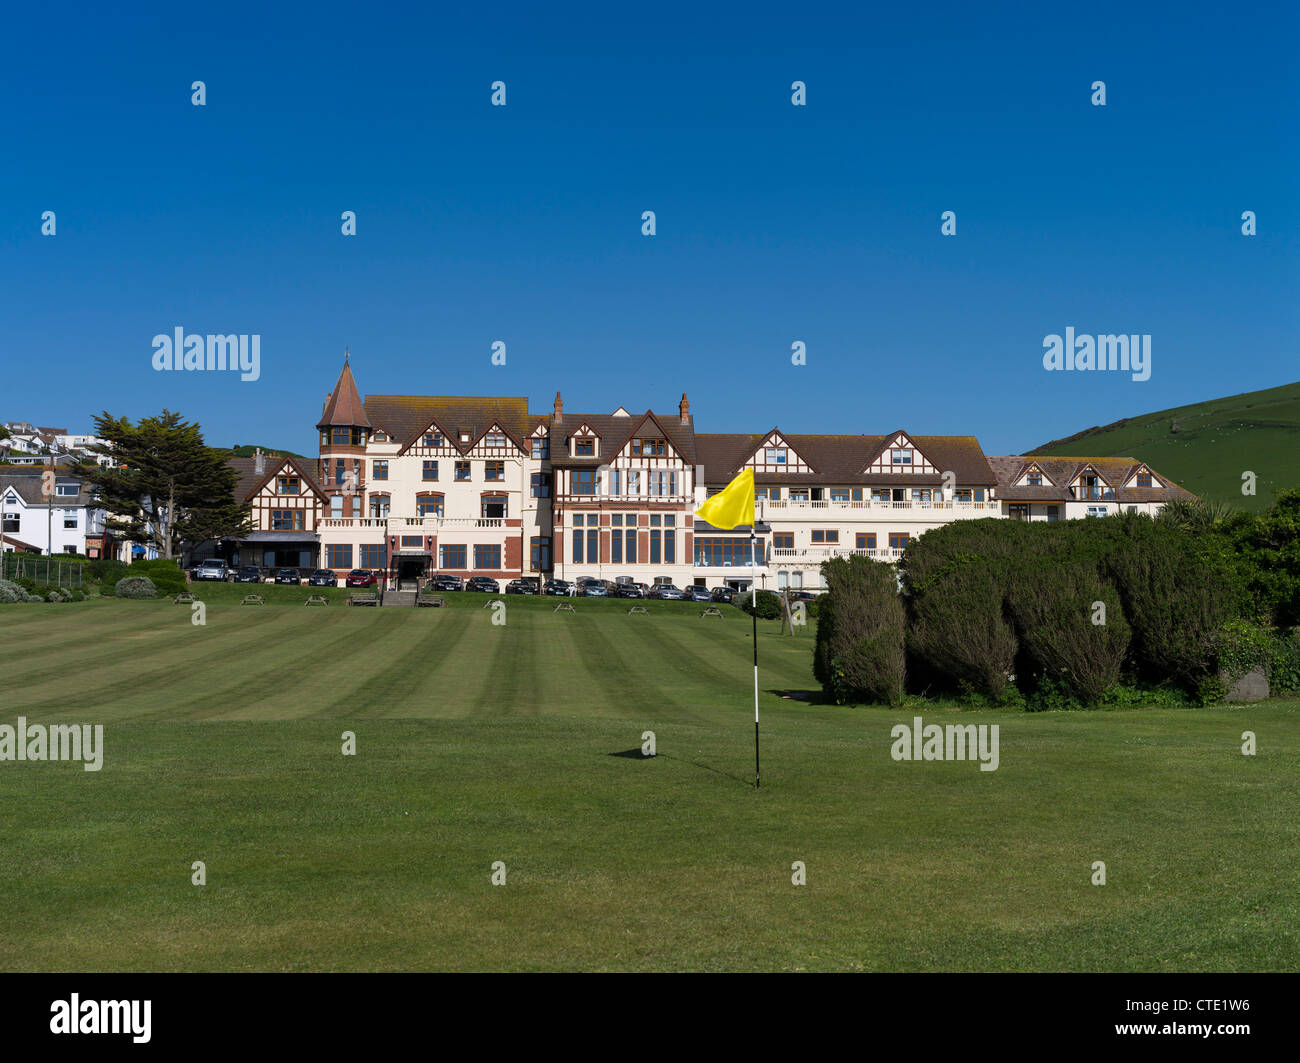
167, 487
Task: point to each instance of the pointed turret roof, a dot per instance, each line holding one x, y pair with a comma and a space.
344, 407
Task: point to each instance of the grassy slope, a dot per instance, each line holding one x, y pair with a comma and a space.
479, 743
1216, 442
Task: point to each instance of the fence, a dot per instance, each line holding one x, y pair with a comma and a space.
45, 571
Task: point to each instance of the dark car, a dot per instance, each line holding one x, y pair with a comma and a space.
483, 584
665, 592
322, 577
631, 590
802, 596
698, 594
521, 586
590, 587
248, 574
557, 588
361, 577
288, 575
724, 595
444, 582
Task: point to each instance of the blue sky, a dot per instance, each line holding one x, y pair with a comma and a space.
775, 223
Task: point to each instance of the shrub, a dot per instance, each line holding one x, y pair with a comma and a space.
12, 592
861, 631
1284, 668
960, 629
166, 575
1241, 647
769, 605
1175, 600
136, 587
1055, 606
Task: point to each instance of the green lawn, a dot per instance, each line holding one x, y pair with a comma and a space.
478, 743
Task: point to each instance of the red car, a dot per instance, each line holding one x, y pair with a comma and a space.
360, 577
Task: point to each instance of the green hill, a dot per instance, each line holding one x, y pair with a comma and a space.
1207, 446
247, 452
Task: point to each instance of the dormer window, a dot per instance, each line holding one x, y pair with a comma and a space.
288, 485
494, 439
584, 448
776, 456
1034, 479
1144, 479
433, 438
901, 456
541, 447
649, 447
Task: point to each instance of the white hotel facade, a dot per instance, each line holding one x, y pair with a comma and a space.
417, 485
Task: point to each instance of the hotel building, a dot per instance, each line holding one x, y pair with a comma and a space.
418, 485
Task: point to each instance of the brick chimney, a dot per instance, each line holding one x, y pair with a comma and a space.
684, 409
559, 407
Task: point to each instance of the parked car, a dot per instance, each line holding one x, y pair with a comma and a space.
521, 586
361, 577
631, 590
802, 596
290, 576
214, 568
698, 594
665, 592
322, 577
593, 588
445, 582
557, 588
248, 574
483, 584
724, 595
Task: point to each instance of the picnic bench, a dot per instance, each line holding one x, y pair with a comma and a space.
316, 599
253, 599
566, 607
363, 599
427, 597
184, 596
713, 610
637, 609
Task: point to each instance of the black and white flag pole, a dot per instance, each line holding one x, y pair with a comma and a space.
753, 590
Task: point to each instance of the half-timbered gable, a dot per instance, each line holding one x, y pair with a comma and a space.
900, 456
775, 455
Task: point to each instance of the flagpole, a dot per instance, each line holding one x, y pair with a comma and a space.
753, 588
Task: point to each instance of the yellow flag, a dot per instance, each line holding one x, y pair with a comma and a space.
733, 505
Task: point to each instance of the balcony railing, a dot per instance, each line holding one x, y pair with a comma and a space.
403, 525
817, 554
878, 505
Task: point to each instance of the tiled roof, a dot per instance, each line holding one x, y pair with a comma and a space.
28, 486
615, 430
405, 417
1114, 472
250, 481
840, 459
344, 406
